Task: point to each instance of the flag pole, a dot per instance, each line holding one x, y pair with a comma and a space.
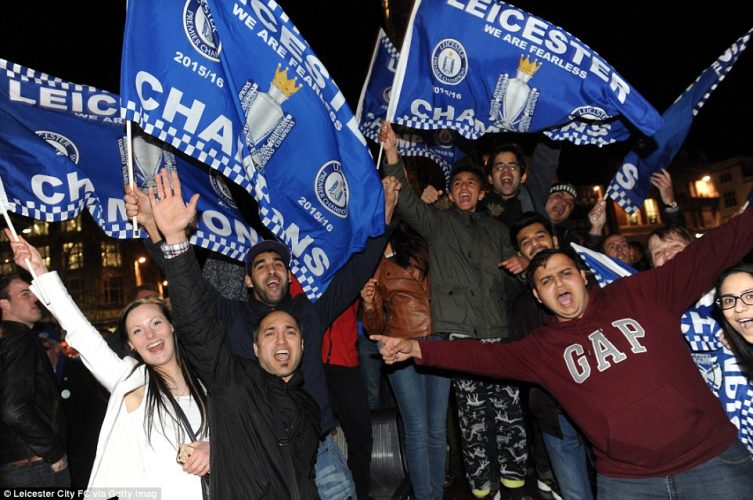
4, 207
129, 162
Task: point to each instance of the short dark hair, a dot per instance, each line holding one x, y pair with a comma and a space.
504, 148
541, 258
461, 167
261, 319
664, 233
527, 219
5, 281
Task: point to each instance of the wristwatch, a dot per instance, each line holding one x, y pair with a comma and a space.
671, 205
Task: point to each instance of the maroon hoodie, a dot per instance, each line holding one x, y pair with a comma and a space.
622, 371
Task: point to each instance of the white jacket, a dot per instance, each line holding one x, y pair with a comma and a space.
119, 462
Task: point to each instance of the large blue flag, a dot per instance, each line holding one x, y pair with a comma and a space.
632, 182
479, 67
238, 87
62, 148
716, 363
441, 146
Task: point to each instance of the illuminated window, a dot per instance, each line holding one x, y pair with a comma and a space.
635, 219
72, 225
652, 211
40, 228
74, 255
45, 253
110, 253
113, 291
7, 265
704, 188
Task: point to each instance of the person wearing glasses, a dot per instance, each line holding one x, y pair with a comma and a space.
735, 298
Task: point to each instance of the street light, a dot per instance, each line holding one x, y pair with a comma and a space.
137, 270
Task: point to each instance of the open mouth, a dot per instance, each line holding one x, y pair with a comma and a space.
746, 325
283, 355
273, 284
565, 299
156, 347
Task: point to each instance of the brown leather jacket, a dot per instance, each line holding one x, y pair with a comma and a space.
402, 303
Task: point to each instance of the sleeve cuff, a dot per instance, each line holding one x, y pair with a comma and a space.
172, 250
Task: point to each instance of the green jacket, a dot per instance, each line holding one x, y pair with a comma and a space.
465, 248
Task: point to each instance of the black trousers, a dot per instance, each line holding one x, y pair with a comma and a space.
347, 394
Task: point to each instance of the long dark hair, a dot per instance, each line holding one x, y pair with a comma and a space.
410, 248
741, 347
157, 390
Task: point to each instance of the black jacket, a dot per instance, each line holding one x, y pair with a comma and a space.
31, 414
264, 432
240, 318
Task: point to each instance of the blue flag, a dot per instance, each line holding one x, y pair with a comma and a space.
62, 148
632, 182
440, 146
237, 87
716, 363
479, 67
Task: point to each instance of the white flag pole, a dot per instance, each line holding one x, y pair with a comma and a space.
4, 204
129, 162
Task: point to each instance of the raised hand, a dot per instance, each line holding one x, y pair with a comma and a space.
388, 138
22, 250
662, 181
597, 217
137, 205
430, 194
368, 294
391, 193
171, 214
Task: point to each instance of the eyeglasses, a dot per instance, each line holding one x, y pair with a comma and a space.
512, 166
729, 301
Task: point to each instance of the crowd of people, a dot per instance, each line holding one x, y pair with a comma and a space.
480, 303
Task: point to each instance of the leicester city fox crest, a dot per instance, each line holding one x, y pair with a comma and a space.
266, 124
514, 101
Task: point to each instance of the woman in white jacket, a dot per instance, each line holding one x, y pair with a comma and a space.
142, 430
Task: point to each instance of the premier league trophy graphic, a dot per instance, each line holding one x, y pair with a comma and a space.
514, 101
149, 156
266, 124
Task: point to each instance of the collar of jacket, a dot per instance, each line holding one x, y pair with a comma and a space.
260, 308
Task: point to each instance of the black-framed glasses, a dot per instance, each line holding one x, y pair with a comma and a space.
729, 301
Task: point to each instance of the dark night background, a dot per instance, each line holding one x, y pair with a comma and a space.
659, 47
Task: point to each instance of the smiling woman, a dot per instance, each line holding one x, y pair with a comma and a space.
735, 298
157, 406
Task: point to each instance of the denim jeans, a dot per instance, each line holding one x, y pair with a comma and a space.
33, 475
371, 365
569, 460
727, 476
333, 478
422, 397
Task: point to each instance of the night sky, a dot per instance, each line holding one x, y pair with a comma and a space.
659, 47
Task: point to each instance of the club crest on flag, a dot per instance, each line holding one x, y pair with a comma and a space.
514, 101
219, 186
200, 29
267, 125
332, 188
63, 146
449, 62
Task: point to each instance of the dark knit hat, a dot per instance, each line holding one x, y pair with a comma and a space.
566, 187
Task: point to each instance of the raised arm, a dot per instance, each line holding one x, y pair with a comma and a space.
372, 311
422, 217
200, 331
104, 364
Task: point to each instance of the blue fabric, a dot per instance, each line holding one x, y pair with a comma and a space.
62, 148
716, 363
728, 475
440, 146
333, 478
569, 459
632, 182
262, 109
422, 397
479, 67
